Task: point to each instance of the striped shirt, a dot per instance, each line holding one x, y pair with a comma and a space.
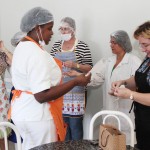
82, 52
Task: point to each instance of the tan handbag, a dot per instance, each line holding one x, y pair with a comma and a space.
111, 138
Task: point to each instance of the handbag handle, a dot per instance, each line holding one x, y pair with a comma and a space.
104, 145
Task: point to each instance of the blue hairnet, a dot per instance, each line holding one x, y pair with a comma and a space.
69, 22
121, 37
34, 17
17, 38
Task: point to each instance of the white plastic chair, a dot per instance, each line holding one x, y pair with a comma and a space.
12, 126
113, 114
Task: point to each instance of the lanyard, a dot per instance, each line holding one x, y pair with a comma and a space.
30, 39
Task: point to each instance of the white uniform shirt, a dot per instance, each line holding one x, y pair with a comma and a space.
102, 73
34, 70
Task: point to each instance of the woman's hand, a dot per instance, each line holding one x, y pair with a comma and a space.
69, 64
7, 52
122, 93
2, 48
83, 80
116, 84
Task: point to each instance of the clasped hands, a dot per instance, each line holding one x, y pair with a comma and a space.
118, 89
70, 64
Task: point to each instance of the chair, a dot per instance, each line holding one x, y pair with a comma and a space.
115, 114
10, 125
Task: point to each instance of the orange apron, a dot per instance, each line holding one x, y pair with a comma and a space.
55, 106
56, 111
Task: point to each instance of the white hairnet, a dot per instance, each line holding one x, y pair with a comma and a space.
17, 38
34, 17
121, 37
68, 22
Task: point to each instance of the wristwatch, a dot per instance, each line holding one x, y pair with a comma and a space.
131, 96
78, 66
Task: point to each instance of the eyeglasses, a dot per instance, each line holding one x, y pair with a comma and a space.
144, 45
113, 42
64, 29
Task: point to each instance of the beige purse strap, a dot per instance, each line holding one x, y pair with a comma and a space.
106, 141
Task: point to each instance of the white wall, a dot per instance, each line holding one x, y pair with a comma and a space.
95, 20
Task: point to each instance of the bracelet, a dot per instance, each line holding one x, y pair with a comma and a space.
78, 66
131, 96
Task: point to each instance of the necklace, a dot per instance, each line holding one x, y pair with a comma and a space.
68, 47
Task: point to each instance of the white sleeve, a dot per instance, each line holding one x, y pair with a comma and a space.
38, 72
98, 73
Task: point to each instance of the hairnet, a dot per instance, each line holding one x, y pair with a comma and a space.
121, 37
34, 17
68, 22
17, 38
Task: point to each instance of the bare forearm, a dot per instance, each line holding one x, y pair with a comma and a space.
124, 93
130, 83
54, 92
142, 98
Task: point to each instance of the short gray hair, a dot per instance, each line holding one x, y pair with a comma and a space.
121, 37
34, 17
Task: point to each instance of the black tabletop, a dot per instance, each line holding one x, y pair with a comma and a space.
73, 145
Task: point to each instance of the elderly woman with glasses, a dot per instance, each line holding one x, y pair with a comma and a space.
140, 82
36, 106
75, 55
120, 66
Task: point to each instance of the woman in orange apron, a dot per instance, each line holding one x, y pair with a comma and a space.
36, 78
